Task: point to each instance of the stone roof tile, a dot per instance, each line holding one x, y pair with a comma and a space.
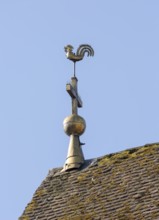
120, 186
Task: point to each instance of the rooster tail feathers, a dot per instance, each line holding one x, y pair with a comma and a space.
85, 48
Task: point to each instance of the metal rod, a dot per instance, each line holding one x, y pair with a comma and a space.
74, 100
74, 69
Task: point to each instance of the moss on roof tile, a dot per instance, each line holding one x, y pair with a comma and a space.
123, 185
127, 154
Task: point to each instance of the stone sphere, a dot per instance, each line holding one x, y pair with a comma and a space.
74, 124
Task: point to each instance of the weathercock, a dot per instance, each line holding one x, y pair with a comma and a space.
82, 49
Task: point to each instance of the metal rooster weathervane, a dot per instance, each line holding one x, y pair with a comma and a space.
82, 49
74, 125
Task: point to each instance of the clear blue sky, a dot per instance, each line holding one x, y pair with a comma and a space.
119, 86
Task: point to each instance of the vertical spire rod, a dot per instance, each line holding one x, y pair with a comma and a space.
74, 81
74, 69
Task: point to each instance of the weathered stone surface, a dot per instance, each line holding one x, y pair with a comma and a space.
120, 186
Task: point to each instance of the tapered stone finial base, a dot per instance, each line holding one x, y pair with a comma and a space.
75, 157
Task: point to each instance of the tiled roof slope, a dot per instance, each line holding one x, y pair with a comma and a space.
120, 186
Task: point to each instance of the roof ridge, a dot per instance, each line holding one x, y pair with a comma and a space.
94, 161
129, 149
